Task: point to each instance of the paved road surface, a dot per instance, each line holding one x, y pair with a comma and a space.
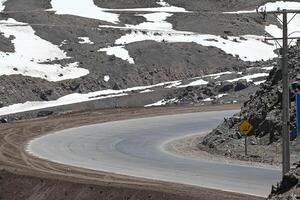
134, 147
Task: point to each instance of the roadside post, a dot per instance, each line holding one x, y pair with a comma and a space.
245, 129
298, 112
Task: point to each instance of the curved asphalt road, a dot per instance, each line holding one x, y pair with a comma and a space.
134, 147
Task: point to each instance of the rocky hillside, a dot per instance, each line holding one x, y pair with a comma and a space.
263, 110
223, 88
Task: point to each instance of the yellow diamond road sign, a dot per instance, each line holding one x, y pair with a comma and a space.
245, 127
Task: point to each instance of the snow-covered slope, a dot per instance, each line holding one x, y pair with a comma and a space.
32, 54
156, 28
274, 30
83, 8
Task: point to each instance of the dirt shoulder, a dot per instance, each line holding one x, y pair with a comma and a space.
25, 177
189, 147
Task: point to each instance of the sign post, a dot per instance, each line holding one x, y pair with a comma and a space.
298, 112
245, 129
246, 150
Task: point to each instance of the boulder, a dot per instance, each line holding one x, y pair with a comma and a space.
240, 85
44, 113
226, 87
3, 120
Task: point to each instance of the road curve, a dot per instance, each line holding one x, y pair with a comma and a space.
134, 147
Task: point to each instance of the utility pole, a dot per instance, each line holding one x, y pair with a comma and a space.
285, 84
285, 99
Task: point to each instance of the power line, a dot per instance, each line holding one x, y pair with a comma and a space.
50, 25
139, 11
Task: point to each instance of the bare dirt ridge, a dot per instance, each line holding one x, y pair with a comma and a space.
25, 177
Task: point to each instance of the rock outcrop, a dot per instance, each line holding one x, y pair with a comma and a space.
263, 111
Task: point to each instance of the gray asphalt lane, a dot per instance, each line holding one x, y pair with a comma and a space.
134, 147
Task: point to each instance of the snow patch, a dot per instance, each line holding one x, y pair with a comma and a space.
64, 42
268, 68
217, 75
106, 78
85, 40
162, 102
88, 9
233, 45
32, 53
215, 97
146, 91
69, 99
288, 5
272, 6
195, 83
119, 52
163, 3
207, 99
76, 98
273, 30
174, 84
169, 8
293, 29
159, 30
155, 21
83, 8
250, 78
2, 7
221, 95
259, 82
137, 88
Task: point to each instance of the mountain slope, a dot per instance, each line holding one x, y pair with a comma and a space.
55, 48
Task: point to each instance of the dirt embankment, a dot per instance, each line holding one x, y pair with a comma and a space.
25, 177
